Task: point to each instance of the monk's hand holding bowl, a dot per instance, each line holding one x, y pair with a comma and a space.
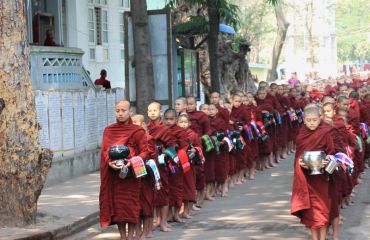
113, 165
300, 161
325, 162
231, 122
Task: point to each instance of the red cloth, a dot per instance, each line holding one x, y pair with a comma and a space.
176, 181
103, 82
222, 164
119, 198
164, 138
310, 196
284, 128
294, 127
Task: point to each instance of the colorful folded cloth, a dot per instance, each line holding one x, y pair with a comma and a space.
184, 160
207, 143
156, 176
138, 166
216, 144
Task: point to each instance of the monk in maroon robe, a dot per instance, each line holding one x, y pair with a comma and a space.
119, 199
264, 106
238, 118
310, 197
176, 180
144, 229
164, 139
189, 177
201, 125
222, 163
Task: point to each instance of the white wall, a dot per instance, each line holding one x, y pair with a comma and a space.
77, 27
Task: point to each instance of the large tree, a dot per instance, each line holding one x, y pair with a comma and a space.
142, 55
282, 25
24, 164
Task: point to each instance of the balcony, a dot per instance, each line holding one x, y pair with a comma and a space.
58, 68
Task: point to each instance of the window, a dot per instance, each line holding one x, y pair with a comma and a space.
91, 26
105, 26
121, 29
98, 25
122, 54
106, 54
92, 54
125, 4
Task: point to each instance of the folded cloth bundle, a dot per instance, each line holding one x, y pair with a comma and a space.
184, 160
207, 143
138, 166
155, 173
216, 144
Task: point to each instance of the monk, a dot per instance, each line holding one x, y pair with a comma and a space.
201, 125
310, 197
285, 103
223, 165
264, 107
251, 108
164, 139
181, 105
176, 179
119, 199
189, 177
204, 108
147, 186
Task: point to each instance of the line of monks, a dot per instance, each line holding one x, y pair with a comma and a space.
190, 156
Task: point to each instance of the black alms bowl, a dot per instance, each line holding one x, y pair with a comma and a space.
117, 152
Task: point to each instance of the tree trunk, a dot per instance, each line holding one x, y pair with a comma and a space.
282, 25
214, 22
143, 56
24, 164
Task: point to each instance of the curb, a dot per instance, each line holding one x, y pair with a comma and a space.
67, 230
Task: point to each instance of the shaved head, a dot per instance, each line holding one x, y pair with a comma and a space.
138, 118
124, 102
156, 105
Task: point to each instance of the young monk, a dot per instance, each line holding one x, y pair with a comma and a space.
176, 180
218, 126
201, 125
119, 199
204, 108
222, 166
181, 105
189, 177
310, 197
238, 118
164, 139
251, 107
147, 188
264, 106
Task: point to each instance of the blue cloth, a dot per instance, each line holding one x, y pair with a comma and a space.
226, 29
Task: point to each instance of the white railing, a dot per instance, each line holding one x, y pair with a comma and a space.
58, 68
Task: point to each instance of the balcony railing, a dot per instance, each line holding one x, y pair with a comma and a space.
58, 68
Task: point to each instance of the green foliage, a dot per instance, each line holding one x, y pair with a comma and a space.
197, 25
353, 30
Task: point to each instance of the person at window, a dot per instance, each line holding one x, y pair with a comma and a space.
102, 80
50, 40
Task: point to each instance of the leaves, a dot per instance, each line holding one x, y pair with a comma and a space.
353, 29
197, 25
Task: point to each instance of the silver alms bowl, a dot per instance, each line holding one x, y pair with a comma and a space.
313, 159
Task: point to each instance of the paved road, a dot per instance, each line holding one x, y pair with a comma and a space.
258, 209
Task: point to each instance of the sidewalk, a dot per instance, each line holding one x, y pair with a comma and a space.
63, 209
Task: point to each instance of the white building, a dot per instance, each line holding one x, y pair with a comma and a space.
94, 26
311, 33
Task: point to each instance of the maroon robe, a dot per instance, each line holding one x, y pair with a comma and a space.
284, 129
254, 144
147, 188
164, 138
277, 129
189, 177
310, 196
222, 167
176, 181
200, 124
119, 199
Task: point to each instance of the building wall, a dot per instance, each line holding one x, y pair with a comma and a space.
78, 36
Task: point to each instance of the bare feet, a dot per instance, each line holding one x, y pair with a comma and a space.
196, 208
165, 229
209, 198
186, 216
178, 219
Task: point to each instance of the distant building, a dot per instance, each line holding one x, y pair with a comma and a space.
311, 44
